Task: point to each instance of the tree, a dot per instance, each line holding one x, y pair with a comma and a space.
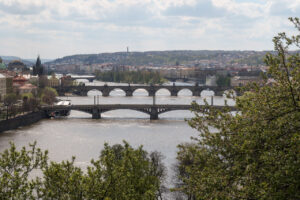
10, 99
61, 181
253, 154
125, 173
121, 172
223, 80
15, 168
38, 68
49, 95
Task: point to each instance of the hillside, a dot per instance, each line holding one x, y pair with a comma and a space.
159, 58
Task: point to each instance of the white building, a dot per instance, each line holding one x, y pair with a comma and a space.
2, 86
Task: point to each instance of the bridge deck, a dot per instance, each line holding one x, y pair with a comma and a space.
127, 106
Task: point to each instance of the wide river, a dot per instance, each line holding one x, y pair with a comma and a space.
83, 137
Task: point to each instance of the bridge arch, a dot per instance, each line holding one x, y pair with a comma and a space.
207, 93
82, 80
117, 92
129, 113
94, 92
163, 92
140, 92
77, 113
177, 114
226, 92
185, 92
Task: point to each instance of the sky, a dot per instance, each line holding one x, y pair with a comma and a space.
57, 28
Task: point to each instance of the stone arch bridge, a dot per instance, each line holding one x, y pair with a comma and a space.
151, 89
96, 110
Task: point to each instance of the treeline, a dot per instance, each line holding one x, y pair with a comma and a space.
120, 172
15, 104
130, 77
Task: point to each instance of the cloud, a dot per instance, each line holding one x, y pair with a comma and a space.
201, 8
62, 27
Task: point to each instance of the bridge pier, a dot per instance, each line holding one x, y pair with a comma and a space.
174, 93
105, 93
83, 93
61, 94
154, 113
151, 93
219, 93
96, 113
129, 93
196, 93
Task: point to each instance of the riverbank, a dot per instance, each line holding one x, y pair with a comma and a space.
23, 120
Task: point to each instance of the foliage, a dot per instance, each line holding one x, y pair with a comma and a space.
30, 102
15, 169
27, 95
130, 77
121, 172
253, 154
223, 80
125, 173
49, 95
163, 58
10, 99
61, 181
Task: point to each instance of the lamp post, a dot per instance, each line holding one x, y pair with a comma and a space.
6, 110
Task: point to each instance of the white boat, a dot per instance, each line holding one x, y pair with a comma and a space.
62, 113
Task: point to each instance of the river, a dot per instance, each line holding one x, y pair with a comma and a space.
83, 137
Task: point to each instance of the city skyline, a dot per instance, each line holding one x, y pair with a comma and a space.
59, 28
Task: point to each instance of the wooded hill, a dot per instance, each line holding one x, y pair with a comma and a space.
159, 58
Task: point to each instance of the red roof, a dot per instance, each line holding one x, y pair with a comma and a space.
19, 79
28, 86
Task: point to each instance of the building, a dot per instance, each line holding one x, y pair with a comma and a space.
27, 88
244, 80
5, 86
66, 81
2, 86
2, 66
17, 66
19, 81
211, 80
53, 81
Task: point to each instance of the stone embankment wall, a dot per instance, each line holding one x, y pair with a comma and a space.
23, 120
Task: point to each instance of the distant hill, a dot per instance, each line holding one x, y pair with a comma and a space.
28, 62
8, 59
160, 58
43, 60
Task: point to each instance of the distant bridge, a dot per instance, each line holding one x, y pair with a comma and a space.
151, 89
96, 110
89, 78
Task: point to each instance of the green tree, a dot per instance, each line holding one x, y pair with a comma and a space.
253, 154
10, 99
223, 80
15, 169
49, 95
61, 181
125, 173
121, 172
38, 68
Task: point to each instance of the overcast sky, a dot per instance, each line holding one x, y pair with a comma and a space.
56, 28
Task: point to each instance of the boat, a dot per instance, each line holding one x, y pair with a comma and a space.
61, 113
